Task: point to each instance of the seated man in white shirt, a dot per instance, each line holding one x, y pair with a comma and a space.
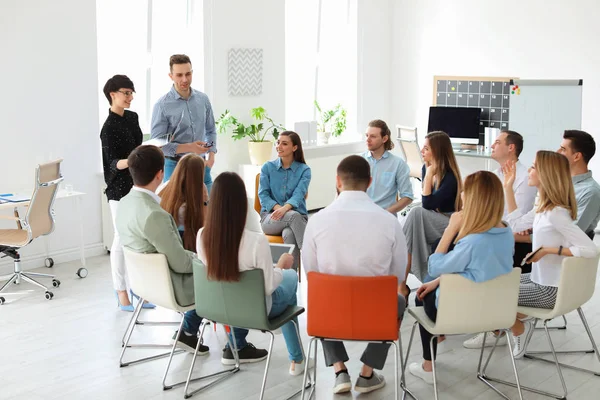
355, 237
507, 148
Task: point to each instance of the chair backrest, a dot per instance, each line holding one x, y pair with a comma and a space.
40, 213
256, 199
577, 283
470, 307
150, 279
241, 304
412, 156
352, 307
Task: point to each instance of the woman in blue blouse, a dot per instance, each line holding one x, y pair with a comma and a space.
282, 192
442, 185
483, 251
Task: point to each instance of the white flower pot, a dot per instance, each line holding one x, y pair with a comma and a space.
323, 138
260, 152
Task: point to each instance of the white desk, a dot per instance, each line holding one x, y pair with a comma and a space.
82, 272
469, 161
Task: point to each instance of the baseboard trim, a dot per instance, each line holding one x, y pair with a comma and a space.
62, 256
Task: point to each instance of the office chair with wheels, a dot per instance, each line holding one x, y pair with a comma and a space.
38, 221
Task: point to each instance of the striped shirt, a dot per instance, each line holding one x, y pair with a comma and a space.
187, 120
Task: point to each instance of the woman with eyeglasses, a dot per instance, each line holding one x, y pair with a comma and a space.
120, 134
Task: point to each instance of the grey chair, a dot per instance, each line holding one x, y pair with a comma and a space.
238, 304
38, 221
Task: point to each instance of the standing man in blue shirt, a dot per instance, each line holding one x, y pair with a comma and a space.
391, 175
184, 117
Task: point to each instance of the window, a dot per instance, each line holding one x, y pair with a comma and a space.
137, 37
321, 60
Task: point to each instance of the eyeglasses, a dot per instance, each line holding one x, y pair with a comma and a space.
126, 93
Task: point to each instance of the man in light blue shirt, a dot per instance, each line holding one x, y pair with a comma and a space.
391, 175
184, 117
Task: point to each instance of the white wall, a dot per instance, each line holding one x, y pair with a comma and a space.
49, 109
534, 39
244, 24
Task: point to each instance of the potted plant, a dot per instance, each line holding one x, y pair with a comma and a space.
330, 123
259, 145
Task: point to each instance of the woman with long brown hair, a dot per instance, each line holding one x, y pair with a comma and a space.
483, 251
442, 186
555, 235
185, 197
227, 249
282, 191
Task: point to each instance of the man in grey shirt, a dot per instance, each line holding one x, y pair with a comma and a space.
579, 147
184, 118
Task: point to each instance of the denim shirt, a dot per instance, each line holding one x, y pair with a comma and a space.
279, 185
188, 120
391, 177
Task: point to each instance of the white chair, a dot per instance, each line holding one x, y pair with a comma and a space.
38, 221
410, 148
575, 288
467, 307
150, 279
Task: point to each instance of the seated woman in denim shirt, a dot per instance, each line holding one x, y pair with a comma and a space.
282, 192
483, 251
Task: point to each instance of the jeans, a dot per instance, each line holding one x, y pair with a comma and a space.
170, 167
284, 296
191, 324
428, 304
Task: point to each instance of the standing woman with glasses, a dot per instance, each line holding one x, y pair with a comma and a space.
120, 134
282, 192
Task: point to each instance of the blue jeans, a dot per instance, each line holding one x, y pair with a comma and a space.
284, 296
191, 324
170, 167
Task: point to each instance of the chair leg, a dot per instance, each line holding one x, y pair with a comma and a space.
37, 274
264, 382
487, 379
435, 389
129, 331
560, 327
173, 347
9, 281
306, 377
32, 281
403, 376
397, 356
221, 374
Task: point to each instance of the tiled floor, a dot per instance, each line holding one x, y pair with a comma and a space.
68, 348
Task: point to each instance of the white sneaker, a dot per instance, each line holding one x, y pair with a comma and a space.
417, 370
490, 338
299, 368
521, 341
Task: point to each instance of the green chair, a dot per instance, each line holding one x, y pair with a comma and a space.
238, 304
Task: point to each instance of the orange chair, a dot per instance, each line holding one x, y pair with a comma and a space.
271, 238
345, 320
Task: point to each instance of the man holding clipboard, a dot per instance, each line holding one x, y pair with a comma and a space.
184, 119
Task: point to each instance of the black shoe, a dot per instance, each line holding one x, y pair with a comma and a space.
248, 354
188, 343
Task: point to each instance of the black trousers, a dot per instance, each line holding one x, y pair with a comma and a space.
428, 303
521, 250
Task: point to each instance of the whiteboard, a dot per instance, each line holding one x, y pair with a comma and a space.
541, 110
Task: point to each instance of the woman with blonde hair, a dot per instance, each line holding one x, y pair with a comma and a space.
442, 186
483, 251
185, 197
555, 235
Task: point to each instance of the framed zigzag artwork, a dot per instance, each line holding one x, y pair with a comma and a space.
245, 72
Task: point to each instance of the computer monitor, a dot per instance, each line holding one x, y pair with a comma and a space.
460, 123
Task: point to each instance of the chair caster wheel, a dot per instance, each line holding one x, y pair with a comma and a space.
55, 282
49, 262
82, 272
2, 300
49, 295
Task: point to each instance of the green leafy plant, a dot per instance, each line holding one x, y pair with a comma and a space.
333, 120
256, 132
